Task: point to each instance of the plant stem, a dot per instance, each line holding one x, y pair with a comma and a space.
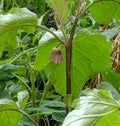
46, 89
23, 82
69, 65
33, 87
29, 50
55, 35
29, 117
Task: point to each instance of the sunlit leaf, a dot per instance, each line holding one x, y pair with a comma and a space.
91, 108
8, 113
22, 98
112, 119
88, 59
9, 25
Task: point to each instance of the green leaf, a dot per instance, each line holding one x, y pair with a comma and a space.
91, 55
109, 87
47, 42
25, 122
6, 71
56, 108
113, 78
41, 6
56, 73
59, 117
10, 23
112, 119
8, 113
58, 6
105, 11
22, 98
91, 108
7, 104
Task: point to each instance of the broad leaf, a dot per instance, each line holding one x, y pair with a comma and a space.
91, 55
105, 11
9, 25
91, 108
112, 119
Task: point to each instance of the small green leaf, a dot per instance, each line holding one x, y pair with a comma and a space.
91, 108
113, 78
59, 117
41, 6
109, 87
22, 98
6, 71
58, 6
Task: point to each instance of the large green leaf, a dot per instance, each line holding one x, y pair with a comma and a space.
112, 119
105, 11
91, 108
91, 55
9, 25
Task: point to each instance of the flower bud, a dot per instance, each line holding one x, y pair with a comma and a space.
56, 55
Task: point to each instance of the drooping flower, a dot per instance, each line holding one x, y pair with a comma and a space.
56, 55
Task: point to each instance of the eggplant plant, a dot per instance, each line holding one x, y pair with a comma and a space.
69, 56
